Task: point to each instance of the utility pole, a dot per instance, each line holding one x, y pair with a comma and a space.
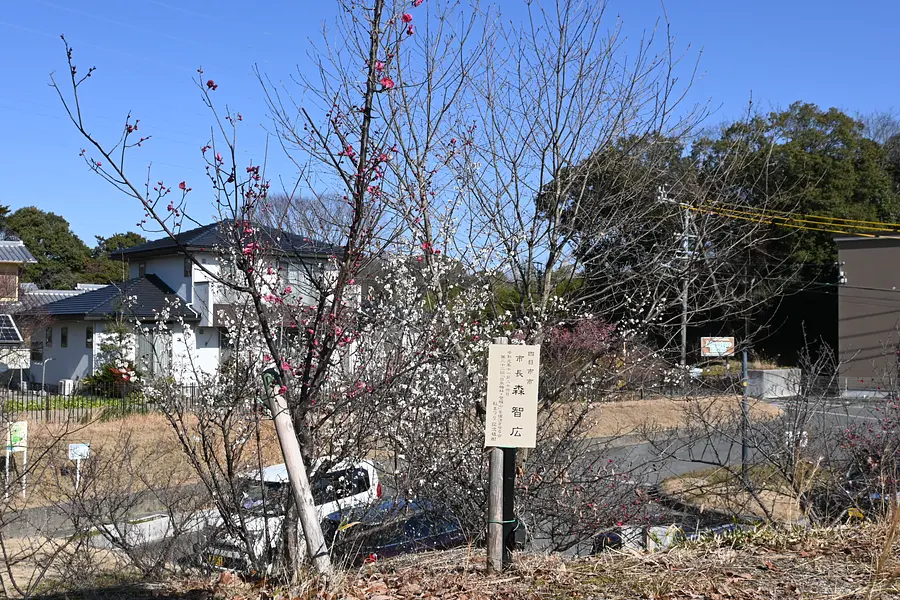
745, 423
687, 251
684, 255
684, 320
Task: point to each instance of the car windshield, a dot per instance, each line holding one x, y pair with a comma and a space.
257, 497
337, 485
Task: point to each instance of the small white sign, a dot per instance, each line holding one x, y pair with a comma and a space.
79, 451
717, 346
512, 396
17, 436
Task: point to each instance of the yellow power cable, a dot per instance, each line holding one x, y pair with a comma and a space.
830, 220
767, 221
786, 222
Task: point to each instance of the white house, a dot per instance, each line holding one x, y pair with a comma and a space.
169, 276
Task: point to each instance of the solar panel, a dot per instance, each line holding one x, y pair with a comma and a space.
9, 333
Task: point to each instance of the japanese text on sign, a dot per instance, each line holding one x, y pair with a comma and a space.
512, 396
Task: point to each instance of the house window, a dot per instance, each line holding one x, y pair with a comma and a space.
63, 337
48, 337
89, 337
142, 269
37, 352
188, 266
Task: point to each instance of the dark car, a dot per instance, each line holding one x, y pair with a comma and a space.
392, 528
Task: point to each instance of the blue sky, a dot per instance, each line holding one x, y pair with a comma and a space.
826, 51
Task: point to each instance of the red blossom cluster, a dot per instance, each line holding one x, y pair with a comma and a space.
429, 248
591, 336
122, 374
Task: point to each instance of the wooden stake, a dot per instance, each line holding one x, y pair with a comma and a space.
495, 504
495, 513
293, 460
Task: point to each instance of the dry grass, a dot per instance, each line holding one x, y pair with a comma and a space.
147, 442
151, 445
629, 416
37, 564
771, 564
712, 494
830, 564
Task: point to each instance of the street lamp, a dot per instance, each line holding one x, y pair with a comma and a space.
44, 373
43, 385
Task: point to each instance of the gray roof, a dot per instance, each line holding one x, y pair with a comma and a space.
208, 237
14, 251
34, 298
149, 295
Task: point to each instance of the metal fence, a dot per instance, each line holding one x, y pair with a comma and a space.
719, 385
84, 403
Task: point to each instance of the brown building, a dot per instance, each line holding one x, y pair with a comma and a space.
869, 313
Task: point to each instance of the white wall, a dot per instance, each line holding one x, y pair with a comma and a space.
102, 337
209, 261
72, 362
171, 270
168, 268
194, 352
218, 294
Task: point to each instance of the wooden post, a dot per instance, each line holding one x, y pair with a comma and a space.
509, 508
495, 513
495, 504
300, 488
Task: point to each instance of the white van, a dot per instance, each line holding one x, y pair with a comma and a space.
264, 496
